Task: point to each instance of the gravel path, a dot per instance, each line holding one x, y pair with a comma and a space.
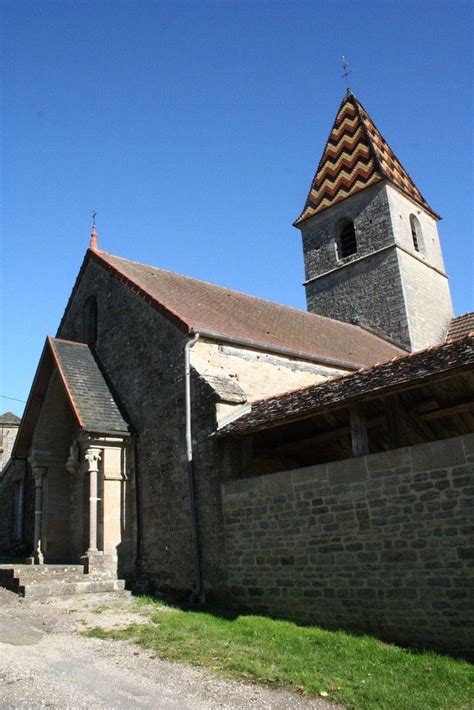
45, 663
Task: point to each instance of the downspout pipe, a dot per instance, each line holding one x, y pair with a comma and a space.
198, 595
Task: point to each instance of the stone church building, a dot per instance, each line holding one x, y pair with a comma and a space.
316, 465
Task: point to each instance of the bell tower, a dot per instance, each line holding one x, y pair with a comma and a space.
370, 240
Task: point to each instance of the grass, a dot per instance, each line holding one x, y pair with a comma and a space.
357, 671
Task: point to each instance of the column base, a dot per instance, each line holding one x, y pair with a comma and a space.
98, 564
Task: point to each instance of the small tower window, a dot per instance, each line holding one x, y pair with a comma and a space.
89, 321
347, 242
416, 233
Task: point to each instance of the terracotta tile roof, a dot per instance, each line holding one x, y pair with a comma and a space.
356, 156
376, 380
461, 326
9, 418
90, 397
195, 305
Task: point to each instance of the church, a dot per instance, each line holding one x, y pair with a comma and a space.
184, 438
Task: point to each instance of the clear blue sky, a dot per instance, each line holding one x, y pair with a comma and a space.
194, 129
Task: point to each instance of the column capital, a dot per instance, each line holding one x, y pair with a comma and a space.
36, 461
92, 456
39, 472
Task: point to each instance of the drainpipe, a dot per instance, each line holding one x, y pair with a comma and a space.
198, 595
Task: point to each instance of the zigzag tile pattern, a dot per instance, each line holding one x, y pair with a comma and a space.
356, 156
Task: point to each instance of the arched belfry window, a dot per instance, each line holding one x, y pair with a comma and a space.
89, 321
346, 239
416, 233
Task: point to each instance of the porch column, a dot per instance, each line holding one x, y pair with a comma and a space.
92, 457
39, 473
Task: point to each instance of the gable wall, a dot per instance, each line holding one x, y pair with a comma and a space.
141, 354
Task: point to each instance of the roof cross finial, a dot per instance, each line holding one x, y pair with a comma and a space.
347, 71
93, 241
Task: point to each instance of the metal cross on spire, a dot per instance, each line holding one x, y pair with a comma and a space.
94, 214
347, 71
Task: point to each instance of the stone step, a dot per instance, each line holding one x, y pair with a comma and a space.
62, 589
13, 577
40, 570
61, 577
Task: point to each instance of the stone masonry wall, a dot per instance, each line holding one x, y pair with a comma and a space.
370, 212
368, 292
16, 470
141, 355
428, 302
382, 544
356, 289
400, 292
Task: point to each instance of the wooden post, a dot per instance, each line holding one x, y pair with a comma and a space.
394, 422
360, 439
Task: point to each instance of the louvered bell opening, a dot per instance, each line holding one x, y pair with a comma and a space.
347, 240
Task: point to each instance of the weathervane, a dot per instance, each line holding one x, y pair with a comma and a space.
345, 66
93, 218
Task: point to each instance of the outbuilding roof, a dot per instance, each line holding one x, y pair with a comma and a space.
195, 305
9, 418
373, 381
461, 326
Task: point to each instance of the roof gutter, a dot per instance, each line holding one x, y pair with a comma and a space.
278, 349
198, 594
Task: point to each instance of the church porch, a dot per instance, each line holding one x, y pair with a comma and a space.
81, 517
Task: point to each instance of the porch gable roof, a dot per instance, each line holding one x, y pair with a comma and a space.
87, 391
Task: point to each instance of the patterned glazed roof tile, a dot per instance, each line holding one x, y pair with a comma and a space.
356, 156
461, 326
195, 305
381, 378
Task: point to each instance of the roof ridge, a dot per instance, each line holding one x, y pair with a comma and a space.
463, 315
66, 340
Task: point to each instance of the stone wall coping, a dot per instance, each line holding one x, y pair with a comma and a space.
447, 452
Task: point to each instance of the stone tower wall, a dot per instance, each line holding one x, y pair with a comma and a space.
387, 285
428, 302
367, 291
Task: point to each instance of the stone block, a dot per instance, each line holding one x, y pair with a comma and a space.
278, 483
347, 471
468, 443
438, 454
308, 475
242, 487
386, 460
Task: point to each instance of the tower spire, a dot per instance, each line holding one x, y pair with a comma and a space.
93, 244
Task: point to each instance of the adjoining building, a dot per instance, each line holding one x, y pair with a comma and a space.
315, 465
9, 424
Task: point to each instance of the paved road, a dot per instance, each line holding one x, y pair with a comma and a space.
45, 663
